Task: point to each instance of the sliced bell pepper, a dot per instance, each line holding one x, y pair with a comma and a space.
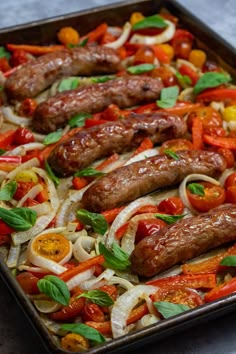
80, 182
197, 132
111, 214
224, 289
197, 281
9, 163
186, 70
137, 313
34, 49
102, 327
219, 94
181, 108
6, 139
121, 231
97, 33
145, 145
107, 162
71, 311
220, 141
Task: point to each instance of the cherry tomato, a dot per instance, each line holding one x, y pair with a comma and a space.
168, 78
5, 229
231, 195
210, 66
92, 312
214, 196
214, 130
74, 308
171, 206
111, 290
22, 189
28, 282
230, 180
186, 70
182, 43
27, 107
175, 145
224, 289
148, 227
18, 57
208, 116
178, 295
144, 54
228, 155
5, 240
23, 136
30, 202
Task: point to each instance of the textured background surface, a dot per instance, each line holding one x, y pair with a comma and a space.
216, 336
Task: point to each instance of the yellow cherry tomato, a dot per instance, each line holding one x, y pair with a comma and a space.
74, 342
51, 246
136, 17
229, 113
168, 49
68, 35
27, 176
197, 57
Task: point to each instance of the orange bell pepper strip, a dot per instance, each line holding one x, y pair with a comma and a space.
70, 273
197, 132
72, 310
218, 94
145, 145
107, 162
161, 54
137, 313
121, 231
181, 108
224, 289
111, 214
150, 107
96, 34
102, 327
34, 49
79, 182
219, 141
6, 139
197, 281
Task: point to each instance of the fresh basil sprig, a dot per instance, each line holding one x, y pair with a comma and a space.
154, 21
2, 151
140, 69
196, 188
20, 219
79, 119
169, 219
229, 261
98, 297
168, 309
184, 80
83, 42
50, 173
101, 79
168, 97
96, 221
210, 79
52, 137
85, 331
118, 259
89, 172
4, 53
55, 288
171, 154
70, 83
7, 192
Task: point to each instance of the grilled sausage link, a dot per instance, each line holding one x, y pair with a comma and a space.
125, 92
184, 240
139, 178
36, 75
102, 140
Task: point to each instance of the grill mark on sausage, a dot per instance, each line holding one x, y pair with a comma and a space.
139, 178
184, 240
113, 137
124, 91
36, 75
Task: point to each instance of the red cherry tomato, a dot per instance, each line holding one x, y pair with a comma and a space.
228, 155
148, 227
182, 43
230, 180
214, 196
22, 189
27, 107
23, 136
209, 117
92, 312
5, 229
5, 240
171, 206
144, 54
175, 145
231, 195
28, 282
166, 75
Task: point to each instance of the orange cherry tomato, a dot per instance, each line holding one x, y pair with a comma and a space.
144, 54
208, 116
171, 206
28, 282
168, 78
214, 196
92, 312
175, 145
148, 227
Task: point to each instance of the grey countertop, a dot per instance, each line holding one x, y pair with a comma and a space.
216, 336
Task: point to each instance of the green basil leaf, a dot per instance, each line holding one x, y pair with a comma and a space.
229, 261
52, 137
4, 53
169, 219
89, 172
114, 260
168, 97
85, 331
184, 80
79, 119
7, 192
98, 297
101, 79
140, 69
171, 154
196, 188
154, 21
96, 221
210, 79
83, 42
55, 288
70, 83
2, 151
50, 173
120, 254
168, 309
20, 219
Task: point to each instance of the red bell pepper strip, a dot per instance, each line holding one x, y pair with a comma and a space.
150, 107
197, 132
224, 289
102, 327
181, 108
9, 163
121, 230
219, 94
6, 139
90, 122
197, 281
145, 145
137, 313
72, 310
96, 34
111, 214
186, 70
34, 49
161, 54
80, 182
220, 141
107, 162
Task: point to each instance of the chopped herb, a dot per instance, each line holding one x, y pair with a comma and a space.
140, 69
4, 53
184, 80
7, 192
169, 219
96, 221
98, 297
52, 137
229, 261
168, 97
117, 259
70, 83
79, 119
55, 288
210, 79
101, 79
20, 219
85, 331
168, 309
171, 154
154, 21
89, 172
196, 188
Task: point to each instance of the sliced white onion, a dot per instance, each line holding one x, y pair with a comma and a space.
79, 278
218, 106
53, 197
10, 116
124, 305
42, 208
35, 190
82, 248
39, 137
165, 36
63, 187
122, 39
124, 283
33, 269
99, 281
46, 306
180, 62
13, 256
73, 236
22, 149
24, 166
146, 320
115, 31
142, 155
183, 186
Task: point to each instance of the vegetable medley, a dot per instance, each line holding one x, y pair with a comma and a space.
73, 264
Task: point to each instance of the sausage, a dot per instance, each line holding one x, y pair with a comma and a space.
124, 91
184, 240
139, 178
102, 140
36, 75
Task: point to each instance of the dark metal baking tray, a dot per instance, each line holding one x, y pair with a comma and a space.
44, 32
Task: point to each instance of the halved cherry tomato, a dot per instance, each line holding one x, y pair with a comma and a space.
178, 295
175, 145
23, 136
137, 313
92, 312
214, 130
214, 196
28, 282
111, 214
145, 54
224, 289
18, 57
210, 66
111, 113
27, 107
230, 180
5, 229
90, 122
208, 116
30, 202
148, 227
79, 182
182, 43
42, 196
22, 189
121, 230
147, 209
171, 206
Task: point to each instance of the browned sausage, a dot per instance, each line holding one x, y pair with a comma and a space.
35, 76
96, 142
139, 178
125, 92
184, 240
